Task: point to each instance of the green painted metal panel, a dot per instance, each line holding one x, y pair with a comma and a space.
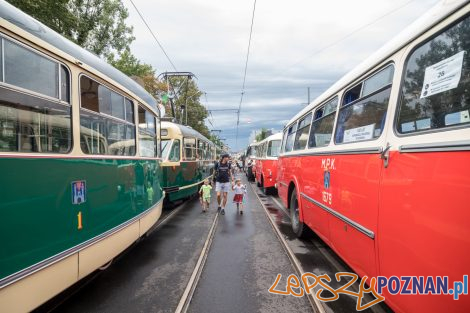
38, 219
185, 174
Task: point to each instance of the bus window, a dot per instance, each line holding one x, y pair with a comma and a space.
301, 137
364, 118
322, 126
273, 148
290, 138
440, 100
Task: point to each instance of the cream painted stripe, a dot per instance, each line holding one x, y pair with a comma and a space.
191, 286
192, 185
314, 302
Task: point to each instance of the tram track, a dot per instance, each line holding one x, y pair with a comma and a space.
196, 274
314, 302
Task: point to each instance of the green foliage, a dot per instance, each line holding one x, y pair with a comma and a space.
262, 134
188, 94
145, 73
97, 25
53, 13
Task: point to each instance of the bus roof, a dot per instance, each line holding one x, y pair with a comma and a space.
36, 28
421, 25
185, 131
276, 136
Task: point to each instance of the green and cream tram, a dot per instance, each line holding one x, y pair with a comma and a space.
187, 159
79, 161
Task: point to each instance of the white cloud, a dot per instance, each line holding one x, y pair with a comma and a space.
210, 37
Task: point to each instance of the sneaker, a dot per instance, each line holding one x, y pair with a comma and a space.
241, 212
222, 212
218, 209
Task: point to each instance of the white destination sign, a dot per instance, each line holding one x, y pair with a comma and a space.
359, 133
442, 76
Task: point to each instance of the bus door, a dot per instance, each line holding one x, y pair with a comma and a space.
424, 219
351, 192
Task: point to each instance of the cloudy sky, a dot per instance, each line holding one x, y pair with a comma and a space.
296, 44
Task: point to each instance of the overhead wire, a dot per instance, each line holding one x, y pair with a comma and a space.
153, 35
244, 75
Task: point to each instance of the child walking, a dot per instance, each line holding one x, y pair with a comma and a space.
205, 195
240, 190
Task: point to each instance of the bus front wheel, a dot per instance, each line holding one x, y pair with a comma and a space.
298, 227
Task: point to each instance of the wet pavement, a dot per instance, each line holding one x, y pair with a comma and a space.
152, 274
243, 262
317, 258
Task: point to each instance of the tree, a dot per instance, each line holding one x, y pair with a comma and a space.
188, 94
263, 133
55, 14
101, 26
131, 66
96, 25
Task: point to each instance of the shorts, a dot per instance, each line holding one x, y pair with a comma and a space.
206, 199
224, 187
238, 198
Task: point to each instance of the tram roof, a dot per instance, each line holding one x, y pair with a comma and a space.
36, 28
184, 130
434, 15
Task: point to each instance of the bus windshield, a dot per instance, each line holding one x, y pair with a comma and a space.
274, 148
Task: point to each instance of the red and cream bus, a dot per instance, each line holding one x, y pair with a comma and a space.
379, 165
266, 162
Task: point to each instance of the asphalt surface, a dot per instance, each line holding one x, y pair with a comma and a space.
243, 262
151, 275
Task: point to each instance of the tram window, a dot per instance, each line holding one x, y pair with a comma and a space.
290, 138
117, 106
301, 137
427, 103
322, 126
189, 148
103, 135
364, 119
174, 155
129, 106
104, 99
31, 124
29, 70
64, 84
1, 60
89, 94
147, 131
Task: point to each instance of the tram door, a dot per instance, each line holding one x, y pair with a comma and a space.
424, 219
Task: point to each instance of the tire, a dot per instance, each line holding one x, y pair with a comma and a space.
265, 190
299, 228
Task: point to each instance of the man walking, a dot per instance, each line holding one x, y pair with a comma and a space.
222, 181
